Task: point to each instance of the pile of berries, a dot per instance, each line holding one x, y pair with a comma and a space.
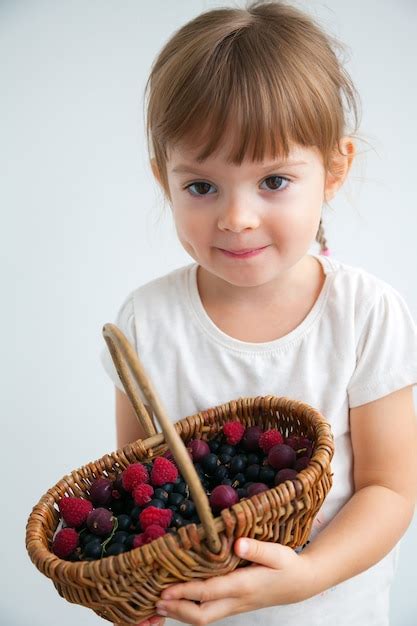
147, 500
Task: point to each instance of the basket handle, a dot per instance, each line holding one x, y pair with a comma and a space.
133, 375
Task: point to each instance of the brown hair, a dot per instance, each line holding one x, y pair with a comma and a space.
267, 71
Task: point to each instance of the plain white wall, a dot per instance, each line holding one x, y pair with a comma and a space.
82, 226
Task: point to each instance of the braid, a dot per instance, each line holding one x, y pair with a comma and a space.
321, 239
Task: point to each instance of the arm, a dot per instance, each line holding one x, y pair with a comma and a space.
128, 428
384, 441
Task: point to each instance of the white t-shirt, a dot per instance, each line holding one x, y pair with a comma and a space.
358, 343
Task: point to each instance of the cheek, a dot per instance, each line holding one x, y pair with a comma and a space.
192, 225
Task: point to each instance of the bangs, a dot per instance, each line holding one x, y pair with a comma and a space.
252, 83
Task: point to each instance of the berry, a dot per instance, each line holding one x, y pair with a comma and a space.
114, 549
255, 459
100, 521
120, 537
281, 456
177, 521
214, 445
223, 497
225, 458
118, 490
139, 540
238, 480
210, 463
159, 504
163, 471
302, 445
175, 498
266, 475
226, 449
250, 441
170, 457
255, 488
301, 463
284, 474
75, 510
92, 549
123, 521
252, 472
198, 449
233, 432
134, 475
221, 473
152, 515
269, 439
101, 491
237, 465
161, 494
182, 488
187, 508
65, 542
153, 531
143, 493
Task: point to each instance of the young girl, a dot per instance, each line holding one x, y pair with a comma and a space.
247, 125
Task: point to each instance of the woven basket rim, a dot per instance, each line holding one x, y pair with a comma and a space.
51, 565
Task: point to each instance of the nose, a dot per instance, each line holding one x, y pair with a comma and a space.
238, 215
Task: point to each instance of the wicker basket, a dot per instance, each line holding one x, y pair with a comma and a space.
125, 588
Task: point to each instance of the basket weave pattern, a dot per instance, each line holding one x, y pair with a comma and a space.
125, 588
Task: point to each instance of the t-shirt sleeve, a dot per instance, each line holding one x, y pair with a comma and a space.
386, 351
125, 321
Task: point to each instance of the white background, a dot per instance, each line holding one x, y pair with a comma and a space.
83, 224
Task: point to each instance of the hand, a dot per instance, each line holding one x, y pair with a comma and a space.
152, 621
277, 575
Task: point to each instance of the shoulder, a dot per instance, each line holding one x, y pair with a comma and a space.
356, 287
157, 292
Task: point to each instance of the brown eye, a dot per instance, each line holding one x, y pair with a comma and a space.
201, 187
276, 183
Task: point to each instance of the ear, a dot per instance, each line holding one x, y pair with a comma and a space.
340, 166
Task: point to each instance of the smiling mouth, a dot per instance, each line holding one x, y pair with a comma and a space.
243, 251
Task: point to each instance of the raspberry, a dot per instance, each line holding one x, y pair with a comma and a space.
234, 432
75, 510
139, 540
153, 515
163, 471
134, 475
153, 531
270, 438
65, 542
143, 493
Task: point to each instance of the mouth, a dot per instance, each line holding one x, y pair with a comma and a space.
243, 253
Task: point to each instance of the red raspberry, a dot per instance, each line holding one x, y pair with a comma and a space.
234, 432
143, 493
163, 471
75, 510
134, 475
153, 531
65, 542
139, 540
270, 438
153, 515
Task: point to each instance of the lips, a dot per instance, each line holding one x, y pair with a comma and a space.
243, 250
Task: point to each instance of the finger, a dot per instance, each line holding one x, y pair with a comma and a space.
272, 555
217, 588
205, 613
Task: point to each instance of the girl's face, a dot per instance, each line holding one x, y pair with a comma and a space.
219, 207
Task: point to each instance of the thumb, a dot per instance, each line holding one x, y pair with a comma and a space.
272, 555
